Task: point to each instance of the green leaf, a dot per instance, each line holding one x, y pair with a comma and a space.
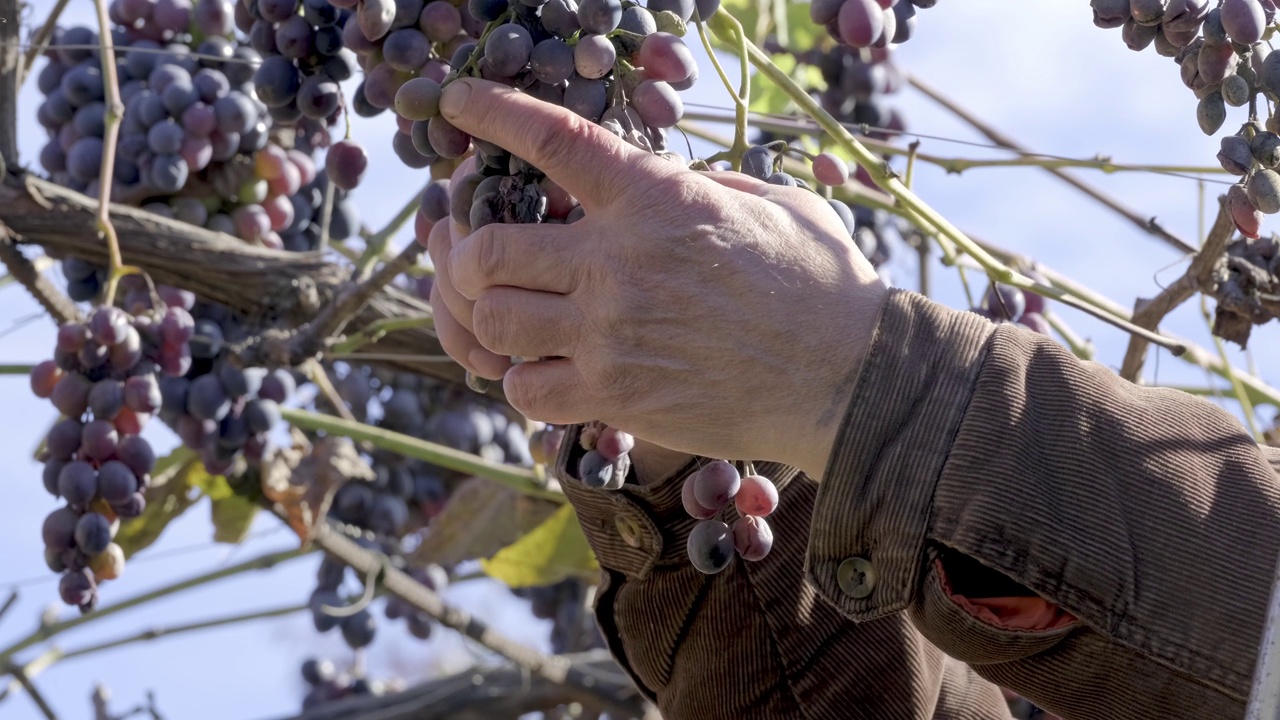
767, 97
232, 514
746, 12
802, 32
553, 551
169, 495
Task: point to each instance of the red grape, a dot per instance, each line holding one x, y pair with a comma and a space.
752, 537
860, 22
757, 496
44, 378
830, 170
346, 163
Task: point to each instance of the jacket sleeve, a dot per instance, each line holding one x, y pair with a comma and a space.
1105, 549
753, 641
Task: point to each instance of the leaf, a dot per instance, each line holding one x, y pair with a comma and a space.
302, 482
802, 32
766, 97
169, 495
553, 551
478, 521
746, 12
232, 514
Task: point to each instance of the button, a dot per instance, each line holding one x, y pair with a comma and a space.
629, 529
857, 577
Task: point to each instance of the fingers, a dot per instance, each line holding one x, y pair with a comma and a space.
589, 162
439, 243
736, 180
510, 321
549, 258
462, 345
548, 390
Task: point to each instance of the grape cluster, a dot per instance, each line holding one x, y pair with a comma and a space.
104, 379
325, 684
1004, 303
608, 63
706, 493
566, 604
868, 23
1224, 59
607, 461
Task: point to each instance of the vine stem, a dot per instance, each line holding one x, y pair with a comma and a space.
16, 369
44, 632
54, 655
739, 144
111, 123
956, 165
376, 245
914, 208
519, 479
374, 332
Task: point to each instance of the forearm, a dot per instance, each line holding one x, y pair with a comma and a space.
1147, 517
755, 641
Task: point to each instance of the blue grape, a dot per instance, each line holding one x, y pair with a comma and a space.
710, 546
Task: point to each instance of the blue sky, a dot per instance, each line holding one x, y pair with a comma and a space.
1044, 75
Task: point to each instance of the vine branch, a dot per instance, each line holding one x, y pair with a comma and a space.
1149, 313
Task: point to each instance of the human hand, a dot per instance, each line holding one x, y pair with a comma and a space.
709, 313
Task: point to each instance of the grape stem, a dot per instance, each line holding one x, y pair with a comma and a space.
915, 208
44, 632
519, 479
111, 122
319, 375
36, 697
374, 332
16, 369
739, 144
1198, 276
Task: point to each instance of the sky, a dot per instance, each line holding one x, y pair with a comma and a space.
1043, 74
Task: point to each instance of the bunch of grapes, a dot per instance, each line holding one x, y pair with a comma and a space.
1225, 61
304, 59
104, 380
868, 23
218, 407
566, 604
325, 684
1004, 303
607, 461
706, 493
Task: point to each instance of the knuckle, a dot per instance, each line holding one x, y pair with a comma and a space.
558, 140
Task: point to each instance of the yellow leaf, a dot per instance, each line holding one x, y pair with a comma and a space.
553, 551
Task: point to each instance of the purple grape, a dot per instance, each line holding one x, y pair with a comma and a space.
446, 140
594, 56
1004, 302
752, 537
63, 439
142, 394
682, 8
658, 104
93, 533
77, 483
98, 439
277, 386
710, 546
277, 11
71, 395
116, 482
440, 21
136, 453
358, 629
715, 484
1243, 20
346, 163
59, 529
757, 496
408, 49
207, 400
106, 399
318, 97
295, 38
76, 587
277, 81
600, 16
585, 97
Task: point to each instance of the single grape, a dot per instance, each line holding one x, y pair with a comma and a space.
1004, 302
45, 376
93, 533
1264, 191
346, 163
315, 672
552, 61
418, 99
408, 49
71, 395
715, 484
207, 400
860, 22
691, 504
358, 629
440, 21
830, 170
59, 529
757, 496
613, 443
116, 482
1243, 20
98, 439
508, 48
658, 103
752, 537
446, 140
585, 97
136, 453
710, 546
594, 56
76, 587
108, 564
665, 57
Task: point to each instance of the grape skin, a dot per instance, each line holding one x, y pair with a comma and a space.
710, 546
757, 496
715, 484
752, 537
594, 56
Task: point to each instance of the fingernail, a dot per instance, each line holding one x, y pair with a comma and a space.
454, 98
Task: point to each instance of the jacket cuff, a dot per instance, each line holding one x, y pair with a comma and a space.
867, 539
639, 528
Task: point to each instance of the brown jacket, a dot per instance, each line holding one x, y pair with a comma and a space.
995, 511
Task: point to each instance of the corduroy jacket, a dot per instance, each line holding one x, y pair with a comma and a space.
995, 512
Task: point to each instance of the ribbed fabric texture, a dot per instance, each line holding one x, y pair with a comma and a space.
1148, 514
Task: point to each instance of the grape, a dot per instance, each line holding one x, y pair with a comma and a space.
418, 99
98, 439
108, 564
76, 587
77, 484
435, 201
1035, 322
71, 395
82, 84
1243, 20
136, 453
830, 170
84, 159
1247, 218
207, 400
691, 504
1004, 302
658, 104
93, 533
596, 471
446, 140
346, 163
59, 529
408, 50
665, 57
440, 21
44, 378
585, 97
752, 537
860, 22
613, 443
295, 38
106, 398
757, 162
276, 81
552, 61
1235, 155
358, 629
63, 439
318, 97
715, 484
90, 119
486, 10
116, 482
594, 56
316, 671
1263, 190
375, 17
214, 17
560, 17
710, 546
277, 386
507, 49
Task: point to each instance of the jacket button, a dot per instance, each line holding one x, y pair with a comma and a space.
857, 577
629, 529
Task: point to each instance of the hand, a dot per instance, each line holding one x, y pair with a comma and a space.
709, 313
